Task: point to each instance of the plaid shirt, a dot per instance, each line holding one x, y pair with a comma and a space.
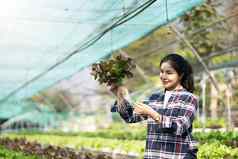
171, 139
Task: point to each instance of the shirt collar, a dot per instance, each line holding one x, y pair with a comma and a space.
177, 90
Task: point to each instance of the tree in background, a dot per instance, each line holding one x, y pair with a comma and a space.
213, 42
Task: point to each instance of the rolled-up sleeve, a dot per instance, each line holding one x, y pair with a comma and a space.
182, 123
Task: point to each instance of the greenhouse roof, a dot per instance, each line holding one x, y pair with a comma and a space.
43, 42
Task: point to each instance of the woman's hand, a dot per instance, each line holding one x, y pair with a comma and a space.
142, 109
145, 110
121, 92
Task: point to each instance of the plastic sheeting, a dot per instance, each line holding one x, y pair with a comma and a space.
43, 42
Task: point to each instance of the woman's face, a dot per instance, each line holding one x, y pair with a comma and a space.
169, 77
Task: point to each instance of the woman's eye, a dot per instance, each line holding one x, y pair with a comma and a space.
166, 72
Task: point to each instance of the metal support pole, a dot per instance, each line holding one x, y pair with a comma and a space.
203, 84
228, 95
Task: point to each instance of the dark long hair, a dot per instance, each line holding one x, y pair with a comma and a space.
183, 68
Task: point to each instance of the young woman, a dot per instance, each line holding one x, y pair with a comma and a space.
169, 113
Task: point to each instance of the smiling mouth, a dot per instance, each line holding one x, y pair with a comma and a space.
166, 81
